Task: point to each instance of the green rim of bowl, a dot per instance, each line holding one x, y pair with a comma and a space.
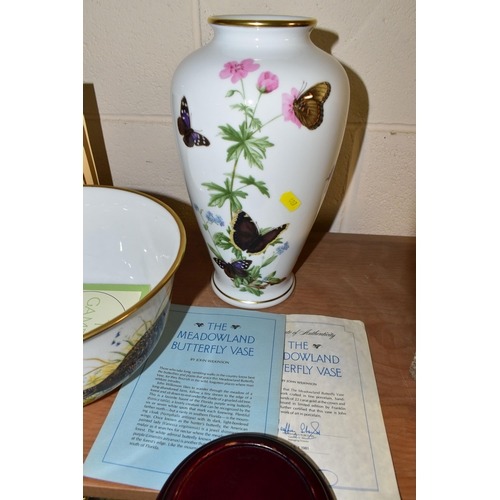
263, 21
164, 280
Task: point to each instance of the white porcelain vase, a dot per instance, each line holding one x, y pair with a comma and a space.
261, 114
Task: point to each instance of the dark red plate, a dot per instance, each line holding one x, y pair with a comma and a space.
246, 466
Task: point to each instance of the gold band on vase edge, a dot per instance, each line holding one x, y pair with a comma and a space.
253, 301
277, 22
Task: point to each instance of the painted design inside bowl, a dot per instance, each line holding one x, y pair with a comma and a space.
130, 354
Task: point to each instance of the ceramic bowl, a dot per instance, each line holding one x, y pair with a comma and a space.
130, 241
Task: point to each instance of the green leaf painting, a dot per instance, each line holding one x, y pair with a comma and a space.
242, 250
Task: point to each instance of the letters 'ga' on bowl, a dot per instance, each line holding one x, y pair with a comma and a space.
129, 238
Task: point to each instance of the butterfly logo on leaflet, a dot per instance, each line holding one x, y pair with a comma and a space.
189, 136
308, 106
247, 237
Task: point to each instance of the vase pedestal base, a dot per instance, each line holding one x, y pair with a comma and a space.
253, 303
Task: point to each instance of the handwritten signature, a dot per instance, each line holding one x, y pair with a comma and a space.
310, 430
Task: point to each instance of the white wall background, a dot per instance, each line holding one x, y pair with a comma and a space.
132, 47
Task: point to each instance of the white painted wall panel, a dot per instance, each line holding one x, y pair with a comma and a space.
380, 197
131, 50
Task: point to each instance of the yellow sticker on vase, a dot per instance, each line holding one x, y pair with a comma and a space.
290, 201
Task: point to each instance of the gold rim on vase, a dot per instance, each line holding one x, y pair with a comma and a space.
263, 21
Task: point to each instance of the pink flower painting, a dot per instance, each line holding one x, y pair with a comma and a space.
287, 107
237, 71
247, 147
267, 82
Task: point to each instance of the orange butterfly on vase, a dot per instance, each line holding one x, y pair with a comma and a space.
308, 106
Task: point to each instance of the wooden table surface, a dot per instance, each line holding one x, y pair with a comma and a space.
361, 277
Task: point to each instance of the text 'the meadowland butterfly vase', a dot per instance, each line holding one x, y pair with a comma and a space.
261, 113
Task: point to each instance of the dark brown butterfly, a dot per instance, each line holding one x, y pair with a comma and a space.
308, 107
189, 136
246, 236
233, 269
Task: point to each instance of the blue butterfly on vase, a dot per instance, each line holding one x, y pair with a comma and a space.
189, 136
246, 235
234, 269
